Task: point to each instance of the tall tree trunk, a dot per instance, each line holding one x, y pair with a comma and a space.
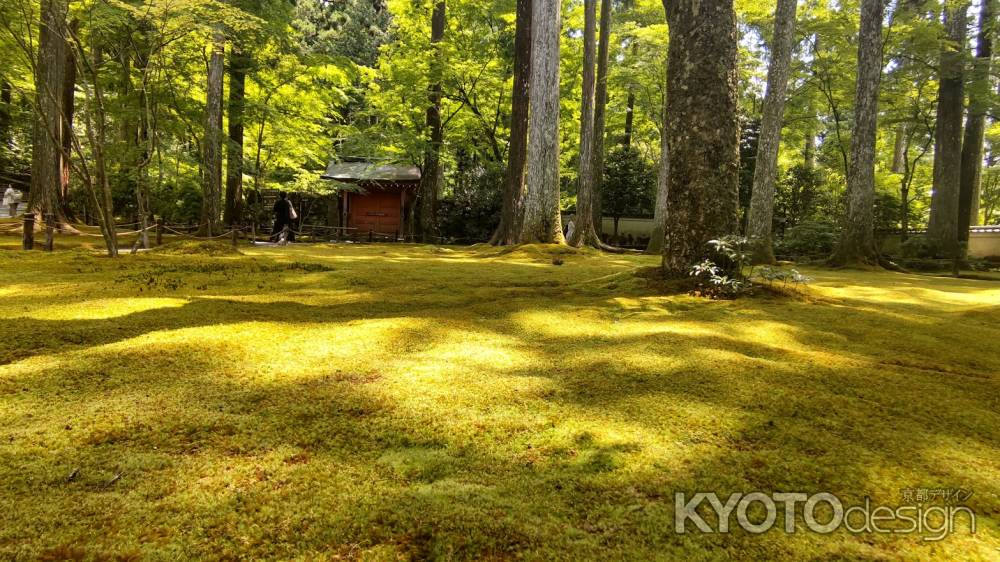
975, 124
239, 64
143, 149
662, 173
857, 237
513, 191
766, 170
106, 206
69, 105
46, 156
943, 225
6, 92
899, 149
629, 118
600, 110
809, 148
584, 232
542, 222
95, 119
430, 180
702, 130
901, 165
630, 103
6, 127
212, 186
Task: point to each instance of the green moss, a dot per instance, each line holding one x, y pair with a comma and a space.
197, 247
404, 401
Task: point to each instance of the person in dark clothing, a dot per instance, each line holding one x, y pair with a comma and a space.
284, 214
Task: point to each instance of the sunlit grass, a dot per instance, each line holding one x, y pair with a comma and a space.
400, 401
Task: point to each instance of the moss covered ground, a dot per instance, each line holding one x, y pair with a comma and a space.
408, 402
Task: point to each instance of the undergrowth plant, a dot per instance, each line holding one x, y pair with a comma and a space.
772, 276
727, 272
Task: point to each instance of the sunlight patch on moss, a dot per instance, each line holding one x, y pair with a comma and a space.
99, 309
325, 401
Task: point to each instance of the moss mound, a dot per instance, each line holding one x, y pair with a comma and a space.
197, 248
545, 252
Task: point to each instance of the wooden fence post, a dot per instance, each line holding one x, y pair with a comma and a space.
236, 233
371, 235
159, 231
28, 235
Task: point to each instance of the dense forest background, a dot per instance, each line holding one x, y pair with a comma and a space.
151, 87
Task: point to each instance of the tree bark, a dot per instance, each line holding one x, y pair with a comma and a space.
106, 206
899, 149
430, 180
508, 231
136, 132
69, 106
96, 120
542, 222
809, 148
46, 156
146, 141
630, 103
766, 171
655, 245
212, 185
857, 238
702, 130
6, 91
584, 232
600, 110
943, 225
975, 125
238, 67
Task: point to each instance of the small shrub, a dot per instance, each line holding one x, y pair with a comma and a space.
773, 276
921, 247
712, 282
728, 273
809, 238
724, 274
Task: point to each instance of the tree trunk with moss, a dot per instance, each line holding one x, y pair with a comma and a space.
542, 222
856, 245
766, 171
655, 245
6, 142
430, 180
975, 124
46, 156
702, 130
600, 111
513, 190
942, 228
630, 101
68, 110
584, 232
212, 150
239, 64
